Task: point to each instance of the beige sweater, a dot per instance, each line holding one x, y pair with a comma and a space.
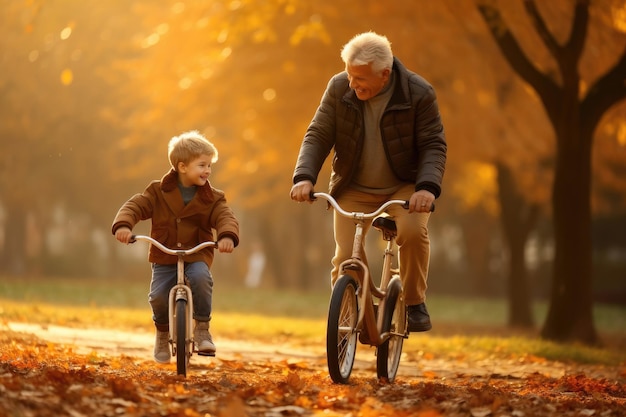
374, 175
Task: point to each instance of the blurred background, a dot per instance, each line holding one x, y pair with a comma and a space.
91, 92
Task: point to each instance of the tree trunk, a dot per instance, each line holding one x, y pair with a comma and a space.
477, 240
574, 121
520, 312
518, 218
570, 313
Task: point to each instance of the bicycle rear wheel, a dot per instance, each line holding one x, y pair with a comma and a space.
394, 321
182, 347
341, 335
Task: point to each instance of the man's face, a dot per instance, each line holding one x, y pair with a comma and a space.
365, 83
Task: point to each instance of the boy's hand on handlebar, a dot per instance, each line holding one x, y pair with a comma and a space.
302, 191
225, 245
124, 235
421, 202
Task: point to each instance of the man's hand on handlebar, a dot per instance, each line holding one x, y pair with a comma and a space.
421, 202
302, 191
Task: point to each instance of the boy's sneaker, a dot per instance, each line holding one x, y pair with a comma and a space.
162, 353
202, 338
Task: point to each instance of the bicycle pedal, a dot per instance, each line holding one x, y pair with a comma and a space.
212, 354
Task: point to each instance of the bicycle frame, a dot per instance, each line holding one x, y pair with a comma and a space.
356, 267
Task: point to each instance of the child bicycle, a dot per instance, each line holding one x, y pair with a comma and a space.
180, 306
353, 312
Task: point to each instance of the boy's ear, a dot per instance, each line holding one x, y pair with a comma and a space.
181, 167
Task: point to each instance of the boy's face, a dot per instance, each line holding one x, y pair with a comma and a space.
196, 172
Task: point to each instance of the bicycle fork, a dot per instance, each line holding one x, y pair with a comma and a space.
180, 291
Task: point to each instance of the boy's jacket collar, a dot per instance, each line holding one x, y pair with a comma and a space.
169, 183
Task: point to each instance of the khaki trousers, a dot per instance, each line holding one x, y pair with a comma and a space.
413, 241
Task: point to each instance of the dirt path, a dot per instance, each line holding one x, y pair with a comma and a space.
139, 344
250, 379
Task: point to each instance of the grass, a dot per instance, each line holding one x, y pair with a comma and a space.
461, 325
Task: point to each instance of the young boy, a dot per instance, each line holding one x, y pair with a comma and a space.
185, 210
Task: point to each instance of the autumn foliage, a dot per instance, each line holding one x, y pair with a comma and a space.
44, 379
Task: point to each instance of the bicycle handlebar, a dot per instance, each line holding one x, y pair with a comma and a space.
169, 251
371, 215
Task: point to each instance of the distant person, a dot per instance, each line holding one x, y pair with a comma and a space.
185, 211
383, 123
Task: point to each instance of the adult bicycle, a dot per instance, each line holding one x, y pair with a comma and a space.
353, 312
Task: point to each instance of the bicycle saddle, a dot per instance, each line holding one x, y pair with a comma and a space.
386, 225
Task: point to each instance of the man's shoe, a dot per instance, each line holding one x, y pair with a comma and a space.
419, 319
162, 353
202, 338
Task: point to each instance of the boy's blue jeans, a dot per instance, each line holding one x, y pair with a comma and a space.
164, 278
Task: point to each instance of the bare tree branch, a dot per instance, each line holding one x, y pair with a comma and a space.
542, 28
605, 92
576, 41
510, 48
569, 54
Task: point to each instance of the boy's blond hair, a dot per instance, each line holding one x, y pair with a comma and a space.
189, 146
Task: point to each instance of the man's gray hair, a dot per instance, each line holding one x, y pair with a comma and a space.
368, 48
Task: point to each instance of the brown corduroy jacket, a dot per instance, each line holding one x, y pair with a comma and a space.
176, 225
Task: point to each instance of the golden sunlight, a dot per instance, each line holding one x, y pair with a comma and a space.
151, 40
619, 18
66, 33
251, 167
478, 186
621, 134
184, 83
33, 56
269, 94
67, 76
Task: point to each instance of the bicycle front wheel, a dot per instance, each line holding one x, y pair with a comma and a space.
394, 322
341, 334
182, 347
